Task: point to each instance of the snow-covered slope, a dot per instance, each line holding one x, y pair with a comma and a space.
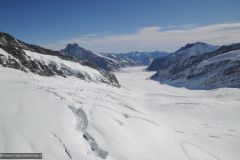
74, 68
232, 55
220, 68
65, 118
31, 58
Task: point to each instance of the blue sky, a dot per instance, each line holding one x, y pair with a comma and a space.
53, 23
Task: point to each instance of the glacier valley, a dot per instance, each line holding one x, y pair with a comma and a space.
69, 118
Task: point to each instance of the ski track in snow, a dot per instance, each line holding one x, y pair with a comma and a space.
143, 120
194, 152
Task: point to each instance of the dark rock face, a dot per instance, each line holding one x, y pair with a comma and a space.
19, 60
220, 68
82, 54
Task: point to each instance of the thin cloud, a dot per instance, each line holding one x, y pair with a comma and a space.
156, 38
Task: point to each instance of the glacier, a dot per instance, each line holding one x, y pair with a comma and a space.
69, 118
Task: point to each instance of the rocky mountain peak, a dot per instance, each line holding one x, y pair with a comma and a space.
8, 40
195, 45
73, 47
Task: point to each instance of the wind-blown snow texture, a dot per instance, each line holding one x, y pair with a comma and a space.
68, 118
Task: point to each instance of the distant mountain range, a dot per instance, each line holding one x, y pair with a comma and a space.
71, 61
195, 66
111, 61
135, 58
200, 66
32, 58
